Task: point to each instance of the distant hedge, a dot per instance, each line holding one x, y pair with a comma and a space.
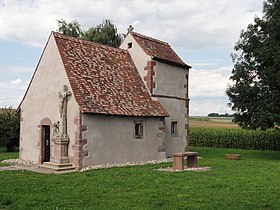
235, 138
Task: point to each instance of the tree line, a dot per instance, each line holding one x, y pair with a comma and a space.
215, 114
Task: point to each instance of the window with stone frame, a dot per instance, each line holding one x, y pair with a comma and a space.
174, 128
138, 129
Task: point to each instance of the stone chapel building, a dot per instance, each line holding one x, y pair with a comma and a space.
90, 104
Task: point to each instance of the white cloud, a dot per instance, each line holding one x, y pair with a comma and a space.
209, 82
200, 106
12, 92
16, 82
191, 24
207, 90
15, 70
202, 64
10, 102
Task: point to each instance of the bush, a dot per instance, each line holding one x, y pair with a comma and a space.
9, 128
235, 138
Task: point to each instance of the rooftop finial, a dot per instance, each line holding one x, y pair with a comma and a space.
130, 28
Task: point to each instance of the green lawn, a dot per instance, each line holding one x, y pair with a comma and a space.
251, 183
6, 155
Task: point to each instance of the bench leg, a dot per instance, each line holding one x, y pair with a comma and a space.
192, 161
178, 163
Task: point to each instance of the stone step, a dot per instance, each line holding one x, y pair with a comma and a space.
60, 165
57, 167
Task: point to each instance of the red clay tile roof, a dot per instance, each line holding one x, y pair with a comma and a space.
158, 50
104, 79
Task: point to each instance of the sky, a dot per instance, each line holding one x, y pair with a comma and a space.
202, 32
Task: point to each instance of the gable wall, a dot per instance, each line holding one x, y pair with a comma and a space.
110, 139
139, 57
42, 102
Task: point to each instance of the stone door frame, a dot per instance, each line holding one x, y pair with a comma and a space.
44, 122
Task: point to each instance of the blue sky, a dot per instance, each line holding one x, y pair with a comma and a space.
202, 32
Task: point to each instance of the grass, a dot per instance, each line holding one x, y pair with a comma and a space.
212, 122
6, 155
251, 183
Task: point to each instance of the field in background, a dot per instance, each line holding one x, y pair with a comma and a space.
221, 132
211, 122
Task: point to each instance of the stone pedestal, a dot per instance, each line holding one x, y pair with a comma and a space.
61, 150
60, 160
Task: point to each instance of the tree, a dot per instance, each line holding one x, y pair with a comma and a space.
255, 92
9, 128
105, 33
213, 114
72, 29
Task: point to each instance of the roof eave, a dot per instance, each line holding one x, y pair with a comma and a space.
184, 66
123, 115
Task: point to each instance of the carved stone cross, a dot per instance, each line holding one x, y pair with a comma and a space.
63, 97
130, 28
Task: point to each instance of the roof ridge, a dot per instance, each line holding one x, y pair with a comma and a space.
66, 37
149, 38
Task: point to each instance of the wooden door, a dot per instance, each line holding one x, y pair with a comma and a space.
46, 143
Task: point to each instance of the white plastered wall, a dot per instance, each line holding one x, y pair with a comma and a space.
139, 57
110, 139
170, 81
42, 101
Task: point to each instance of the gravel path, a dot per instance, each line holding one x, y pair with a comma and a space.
18, 164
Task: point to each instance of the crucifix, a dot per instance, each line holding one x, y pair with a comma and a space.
63, 97
61, 139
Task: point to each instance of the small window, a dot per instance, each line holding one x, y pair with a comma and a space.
129, 45
138, 129
174, 128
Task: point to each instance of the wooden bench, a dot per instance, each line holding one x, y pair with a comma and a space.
178, 160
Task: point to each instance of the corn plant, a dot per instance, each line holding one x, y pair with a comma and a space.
235, 138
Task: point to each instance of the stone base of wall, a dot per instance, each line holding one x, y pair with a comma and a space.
161, 137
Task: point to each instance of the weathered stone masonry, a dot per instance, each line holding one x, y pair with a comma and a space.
161, 135
78, 147
187, 127
149, 78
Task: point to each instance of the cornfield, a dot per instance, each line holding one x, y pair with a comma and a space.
235, 138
